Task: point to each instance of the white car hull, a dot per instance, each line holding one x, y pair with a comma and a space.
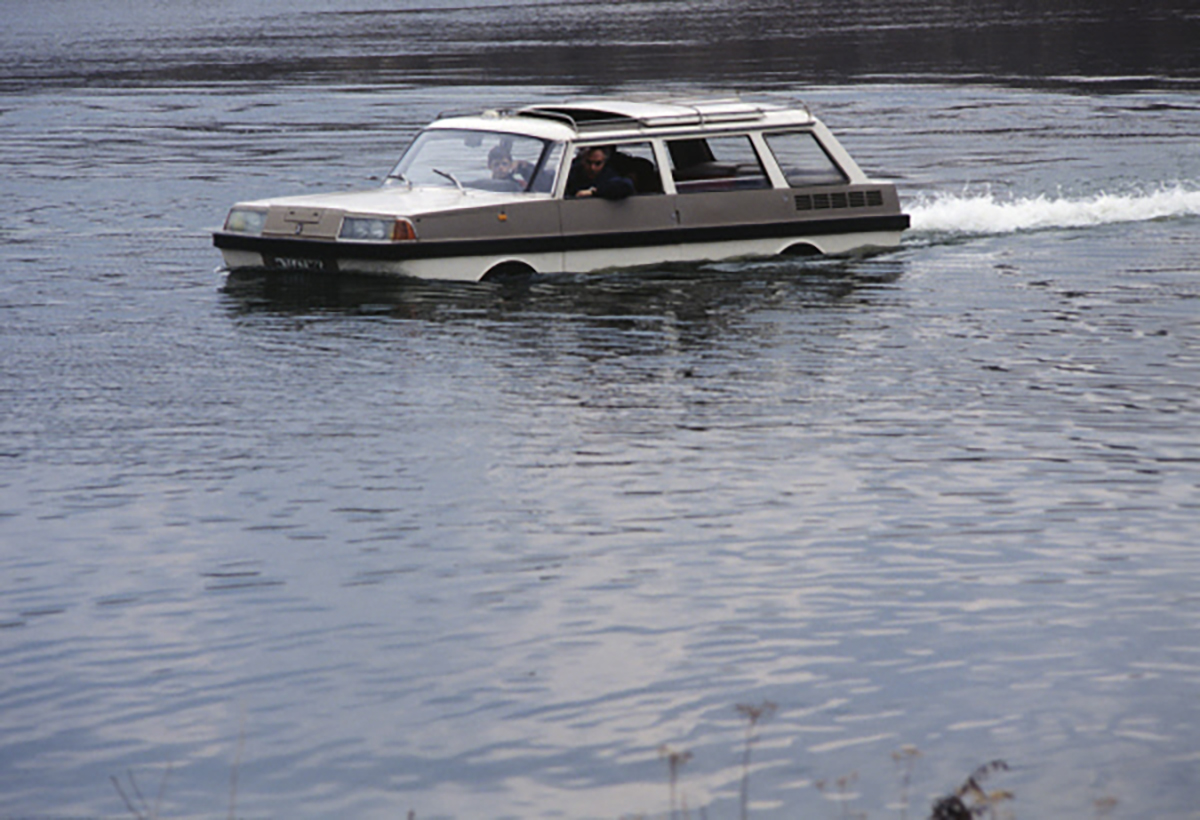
472, 267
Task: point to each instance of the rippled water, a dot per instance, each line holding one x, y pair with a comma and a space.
481, 551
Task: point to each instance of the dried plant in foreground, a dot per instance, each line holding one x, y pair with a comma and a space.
675, 759
905, 759
843, 796
752, 714
970, 800
141, 810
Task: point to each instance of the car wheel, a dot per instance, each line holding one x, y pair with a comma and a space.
508, 272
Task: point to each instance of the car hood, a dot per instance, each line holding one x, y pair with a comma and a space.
397, 200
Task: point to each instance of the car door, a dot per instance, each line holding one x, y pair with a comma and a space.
637, 230
725, 196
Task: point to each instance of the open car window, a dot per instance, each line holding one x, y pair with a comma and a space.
636, 161
483, 160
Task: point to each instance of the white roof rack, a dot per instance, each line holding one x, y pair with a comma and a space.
604, 114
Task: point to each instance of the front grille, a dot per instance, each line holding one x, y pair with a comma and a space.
839, 199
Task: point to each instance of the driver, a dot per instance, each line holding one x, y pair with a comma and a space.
503, 166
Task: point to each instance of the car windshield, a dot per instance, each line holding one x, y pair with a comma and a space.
484, 160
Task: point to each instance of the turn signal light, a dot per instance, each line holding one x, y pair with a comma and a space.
403, 231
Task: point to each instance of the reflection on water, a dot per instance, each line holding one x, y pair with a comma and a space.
690, 293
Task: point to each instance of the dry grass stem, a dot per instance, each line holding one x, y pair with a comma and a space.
675, 759
905, 759
752, 714
141, 810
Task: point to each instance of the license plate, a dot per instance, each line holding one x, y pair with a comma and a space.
300, 263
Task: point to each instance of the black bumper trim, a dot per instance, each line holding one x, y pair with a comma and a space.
282, 247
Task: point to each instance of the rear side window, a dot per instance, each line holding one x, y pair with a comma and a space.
803, 160
715, 164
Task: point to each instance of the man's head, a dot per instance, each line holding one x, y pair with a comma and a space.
593, 160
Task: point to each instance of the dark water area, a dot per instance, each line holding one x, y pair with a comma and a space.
355, 547
768, 43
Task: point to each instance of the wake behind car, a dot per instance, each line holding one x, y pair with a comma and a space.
583, 186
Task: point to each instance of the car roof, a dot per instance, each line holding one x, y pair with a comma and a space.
638, 115
664, 112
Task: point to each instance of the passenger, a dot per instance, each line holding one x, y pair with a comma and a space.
591, 175
641, 172
504, 167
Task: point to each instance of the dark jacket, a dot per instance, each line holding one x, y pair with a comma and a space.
608, 183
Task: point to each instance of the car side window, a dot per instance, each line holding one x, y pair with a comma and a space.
613, 171
702, 165
636, 162
803, 160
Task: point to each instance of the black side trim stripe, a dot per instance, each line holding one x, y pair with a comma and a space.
433, 249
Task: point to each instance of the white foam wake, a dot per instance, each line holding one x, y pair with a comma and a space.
988, 214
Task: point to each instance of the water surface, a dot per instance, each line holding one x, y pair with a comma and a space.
481, 551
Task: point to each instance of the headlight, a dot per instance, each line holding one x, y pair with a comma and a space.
377, 229
245, 220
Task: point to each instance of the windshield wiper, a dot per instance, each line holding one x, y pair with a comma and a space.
450, 177
402, 178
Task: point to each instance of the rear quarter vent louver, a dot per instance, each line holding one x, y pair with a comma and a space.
840, 199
